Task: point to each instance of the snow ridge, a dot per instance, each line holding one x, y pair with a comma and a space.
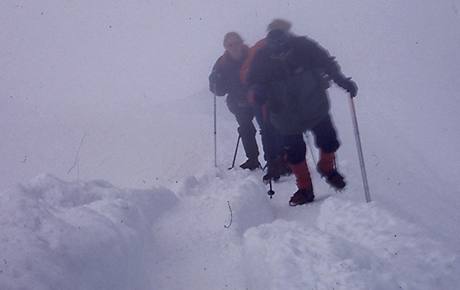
92, 235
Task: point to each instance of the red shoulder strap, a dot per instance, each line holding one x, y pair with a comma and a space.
247, 63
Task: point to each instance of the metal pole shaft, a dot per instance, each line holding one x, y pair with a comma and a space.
215, 131
236, 152
360, 151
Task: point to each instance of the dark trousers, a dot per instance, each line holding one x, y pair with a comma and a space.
272, 141
246, 129
325, 139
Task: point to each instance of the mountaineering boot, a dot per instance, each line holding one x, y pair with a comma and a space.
303, 180
335, 179
302, 196
272, 171
251, 164
327, 168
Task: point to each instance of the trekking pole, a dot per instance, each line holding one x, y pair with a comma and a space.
236, 151
270, 192
215, 130
360, 151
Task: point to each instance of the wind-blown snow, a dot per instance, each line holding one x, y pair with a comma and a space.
105, 96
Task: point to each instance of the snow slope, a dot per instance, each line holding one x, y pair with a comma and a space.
116, 92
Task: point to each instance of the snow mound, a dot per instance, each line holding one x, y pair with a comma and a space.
77, 235
350, 246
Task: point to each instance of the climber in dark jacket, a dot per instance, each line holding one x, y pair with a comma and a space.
225, 80
271, 139
291, 75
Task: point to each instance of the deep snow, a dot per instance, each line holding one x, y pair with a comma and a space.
218, 231
106, 96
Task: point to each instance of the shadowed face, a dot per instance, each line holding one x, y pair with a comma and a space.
234, 45
278, 41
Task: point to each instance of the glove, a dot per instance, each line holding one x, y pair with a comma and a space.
215, 79
350, 86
